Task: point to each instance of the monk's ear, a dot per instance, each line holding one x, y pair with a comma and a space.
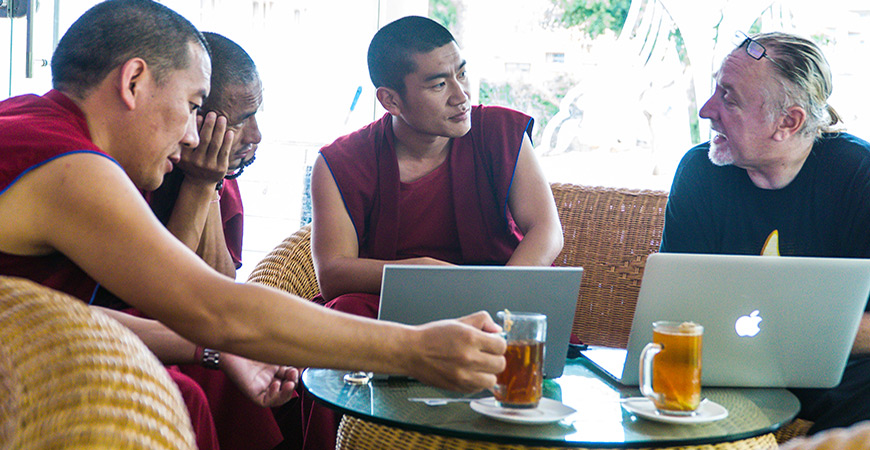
132, 75
390, 100
790, 123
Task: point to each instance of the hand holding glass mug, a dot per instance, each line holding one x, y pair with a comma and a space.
521, 383
670, 367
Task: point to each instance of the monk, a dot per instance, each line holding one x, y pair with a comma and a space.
434, 181
200, 203
200, 200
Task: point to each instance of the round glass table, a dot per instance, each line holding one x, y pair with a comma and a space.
599, 421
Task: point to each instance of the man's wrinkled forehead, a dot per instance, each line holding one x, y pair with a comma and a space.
732, 65
241, 101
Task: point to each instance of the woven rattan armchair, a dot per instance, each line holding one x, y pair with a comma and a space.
71, 377
289, 266
358, 434
609, 232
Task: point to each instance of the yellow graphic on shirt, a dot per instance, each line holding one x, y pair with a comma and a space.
771, 245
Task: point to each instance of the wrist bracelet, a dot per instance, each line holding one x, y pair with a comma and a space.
208, 358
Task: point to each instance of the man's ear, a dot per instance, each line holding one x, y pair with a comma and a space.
132, 75
790, 123
390, 100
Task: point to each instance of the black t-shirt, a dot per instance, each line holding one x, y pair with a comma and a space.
824, 211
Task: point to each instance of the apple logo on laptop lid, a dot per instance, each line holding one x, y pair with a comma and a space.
747, 326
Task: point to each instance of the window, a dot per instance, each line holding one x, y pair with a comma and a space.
619, 108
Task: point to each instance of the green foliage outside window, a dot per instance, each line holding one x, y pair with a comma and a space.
540, 102
594, 17
443, 12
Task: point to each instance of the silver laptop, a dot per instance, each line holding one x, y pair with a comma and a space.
419, 294
768, 321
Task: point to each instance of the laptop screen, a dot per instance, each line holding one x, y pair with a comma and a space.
768, 321
413, 294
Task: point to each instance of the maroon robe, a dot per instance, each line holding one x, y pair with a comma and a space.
33, 131
482, 165
480, 170
427, 227
233, 219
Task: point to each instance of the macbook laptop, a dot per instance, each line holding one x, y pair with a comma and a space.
768, 321
414, 295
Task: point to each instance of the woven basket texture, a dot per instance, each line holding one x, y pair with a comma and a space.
609, 232
357, 434
73, 378
289, 266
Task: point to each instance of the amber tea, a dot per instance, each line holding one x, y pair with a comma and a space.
675, 356
521, 383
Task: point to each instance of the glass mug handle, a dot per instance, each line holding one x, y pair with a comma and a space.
646, 361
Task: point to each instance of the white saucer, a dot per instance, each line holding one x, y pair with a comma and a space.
548, 411
707, 412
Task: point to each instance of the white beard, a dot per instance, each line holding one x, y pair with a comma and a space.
719, 155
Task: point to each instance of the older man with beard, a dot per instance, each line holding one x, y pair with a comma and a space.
200, 201
776, 165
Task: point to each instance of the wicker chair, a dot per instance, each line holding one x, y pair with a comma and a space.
289, 266
608, 231
71, 377
358, 434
